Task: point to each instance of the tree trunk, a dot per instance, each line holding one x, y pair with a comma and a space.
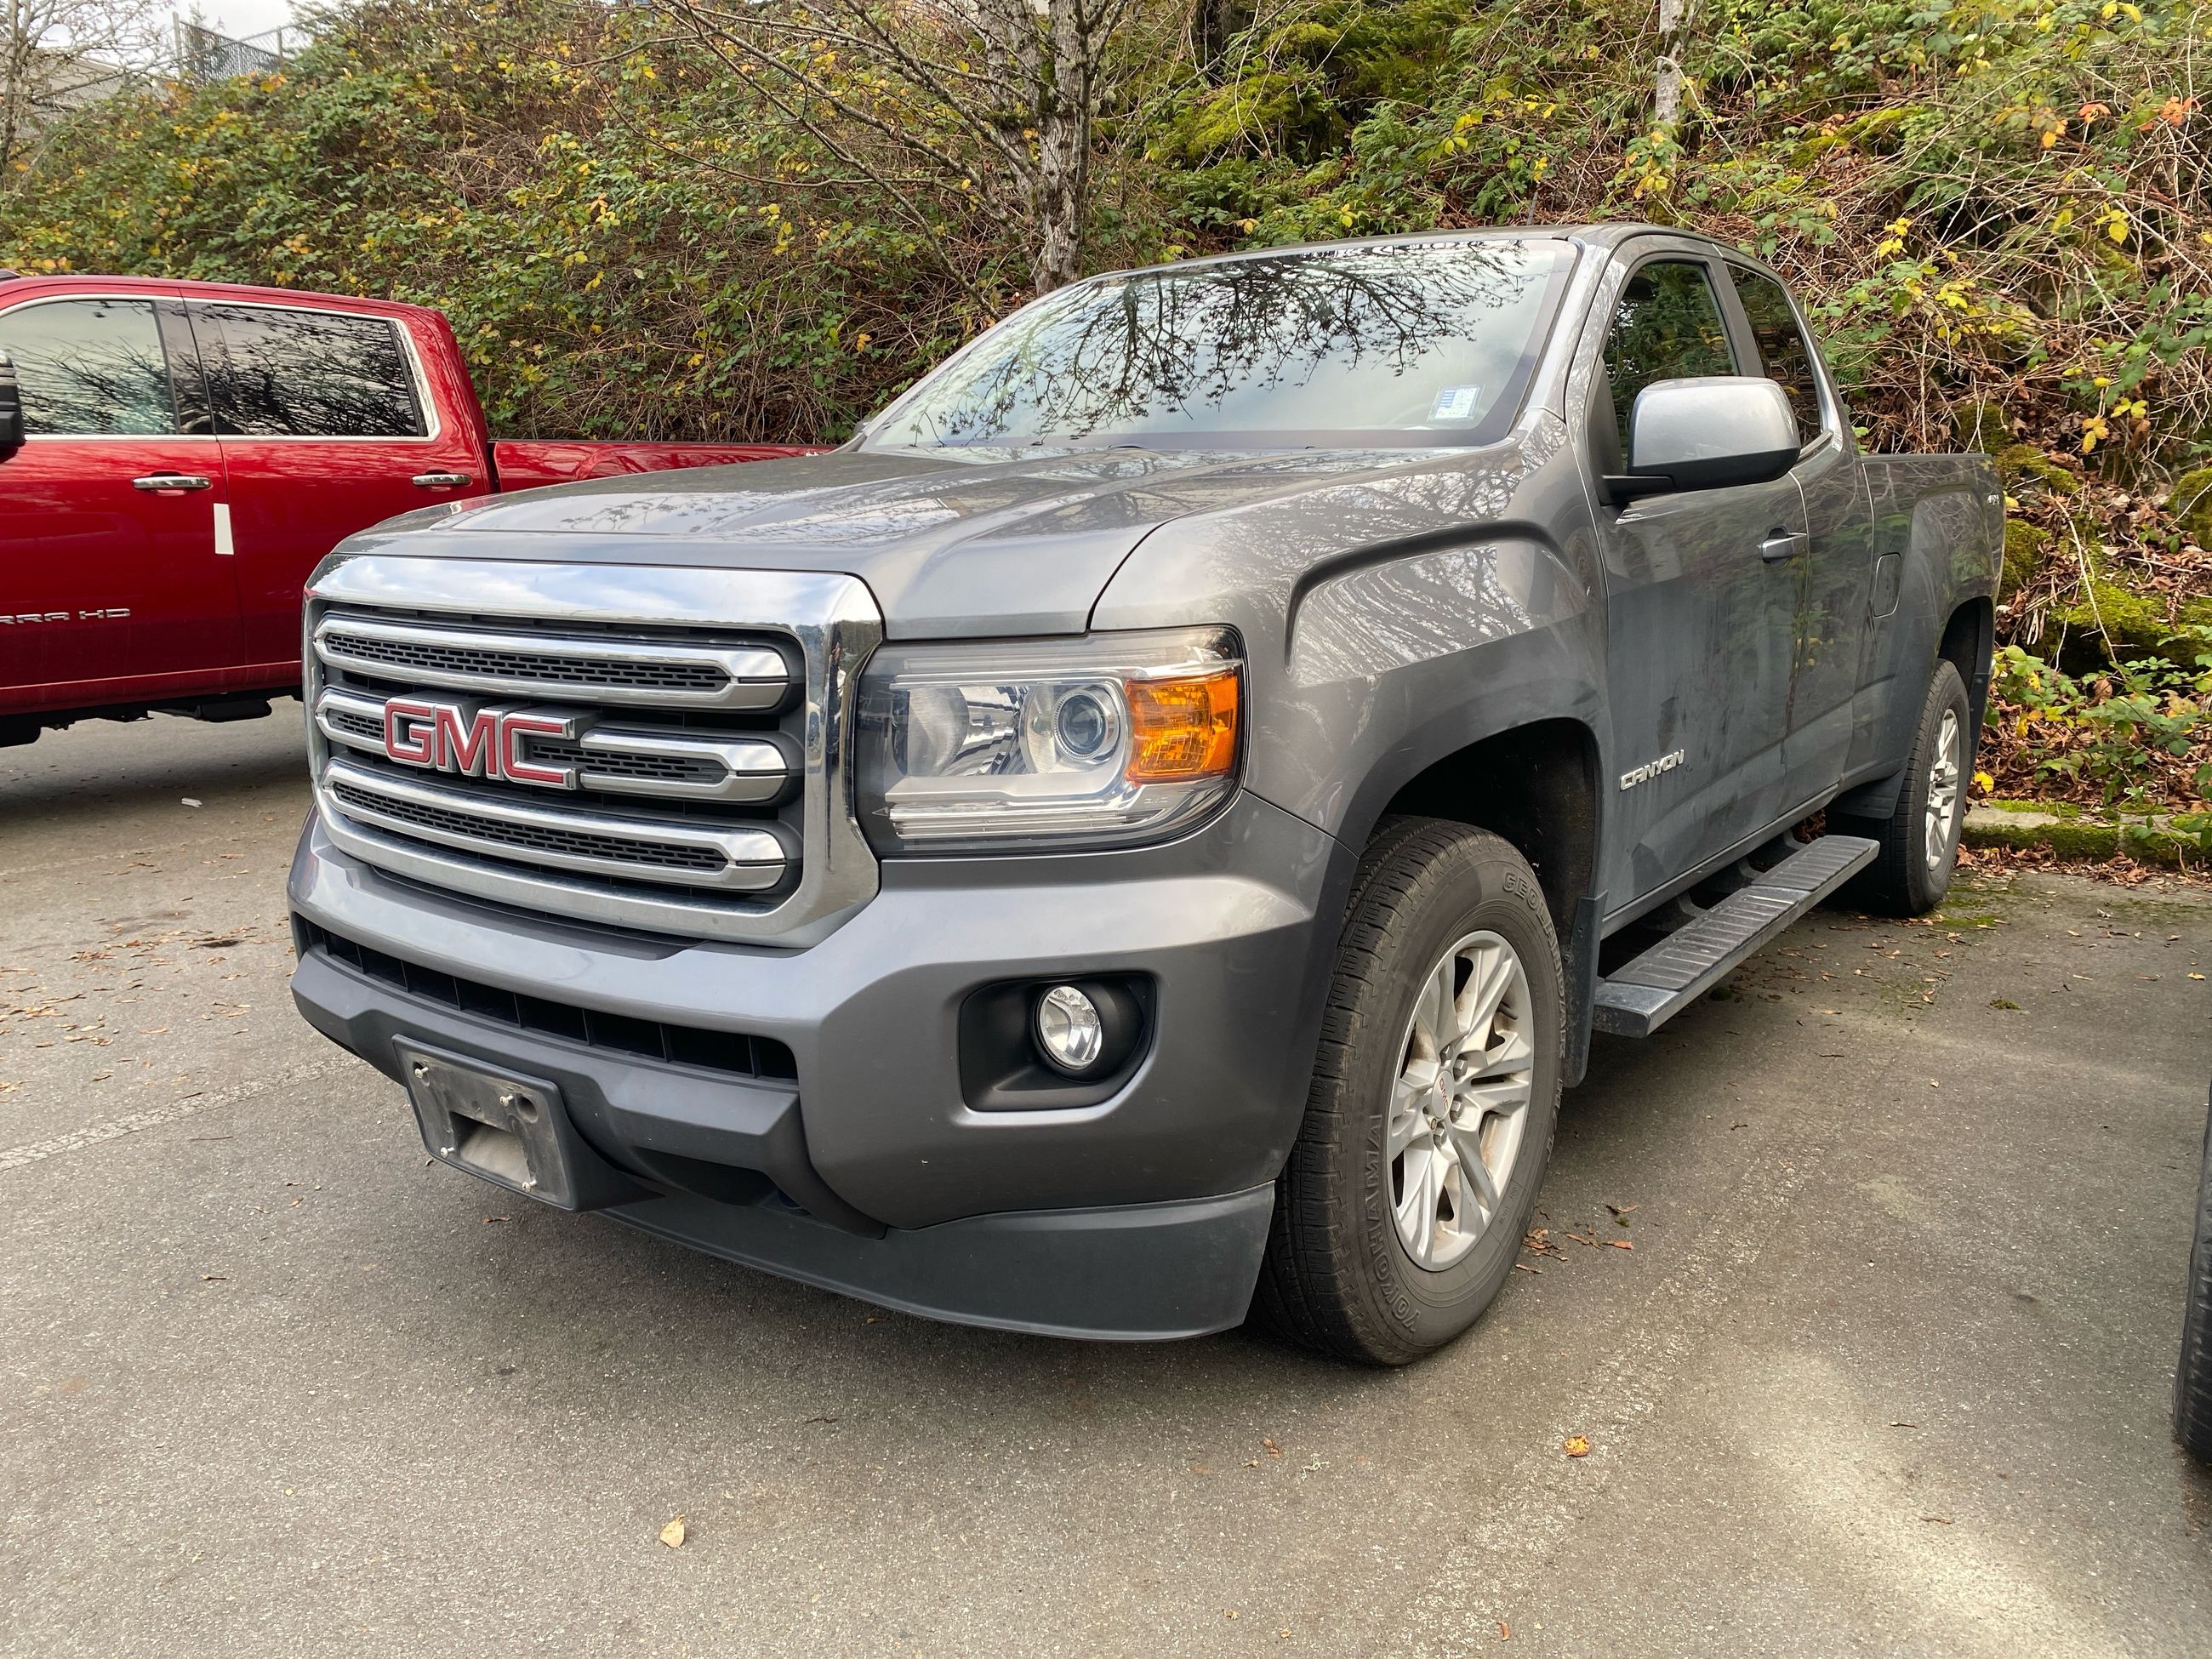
1063, 175
1667, 90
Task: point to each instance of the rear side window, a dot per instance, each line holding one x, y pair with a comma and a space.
1784, 352
275, 373
1666, 327
90, 368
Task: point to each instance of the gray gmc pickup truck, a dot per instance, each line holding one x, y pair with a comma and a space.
1143, 834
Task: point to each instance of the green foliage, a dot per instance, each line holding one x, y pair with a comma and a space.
2138, 739
614, 262
1995, 207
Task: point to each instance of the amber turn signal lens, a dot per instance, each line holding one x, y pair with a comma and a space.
1183, 729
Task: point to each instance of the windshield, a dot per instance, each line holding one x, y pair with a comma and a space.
1424, 344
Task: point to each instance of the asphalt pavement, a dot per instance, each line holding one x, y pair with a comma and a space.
1862, 1281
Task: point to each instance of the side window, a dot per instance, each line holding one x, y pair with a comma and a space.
283, 374
90, 367
1667, 327
1782, 349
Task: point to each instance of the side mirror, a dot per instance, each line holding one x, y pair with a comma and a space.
1706, 432
11, 409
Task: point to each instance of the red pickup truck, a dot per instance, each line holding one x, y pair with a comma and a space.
175, 457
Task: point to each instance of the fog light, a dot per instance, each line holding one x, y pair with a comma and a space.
1069, 1029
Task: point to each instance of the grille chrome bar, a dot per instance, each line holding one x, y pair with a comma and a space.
685, 853
823, 624
664, 764
665, 674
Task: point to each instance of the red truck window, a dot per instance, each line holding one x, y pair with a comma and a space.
275, 372
90, 367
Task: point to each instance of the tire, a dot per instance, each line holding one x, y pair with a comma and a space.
2192, 1380
1341, 1274
1913, 871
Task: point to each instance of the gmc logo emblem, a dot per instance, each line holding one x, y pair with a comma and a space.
476, 741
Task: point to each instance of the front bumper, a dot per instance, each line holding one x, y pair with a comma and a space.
868, 1171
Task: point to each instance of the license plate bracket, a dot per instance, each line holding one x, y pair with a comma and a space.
500, 1125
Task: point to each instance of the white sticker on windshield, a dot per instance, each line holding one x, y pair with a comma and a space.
1456, 403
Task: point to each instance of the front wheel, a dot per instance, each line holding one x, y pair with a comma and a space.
1434, 1096
1919, 839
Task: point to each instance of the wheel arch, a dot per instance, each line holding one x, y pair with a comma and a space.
1969, 639
1536, 786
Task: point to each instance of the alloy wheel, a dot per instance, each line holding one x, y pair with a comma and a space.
1459, 1106
1943, 791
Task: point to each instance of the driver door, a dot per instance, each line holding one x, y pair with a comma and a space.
114, 583
1699, 651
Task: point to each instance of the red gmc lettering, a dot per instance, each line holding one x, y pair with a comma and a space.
409, 729
483, 743
513, 729
472, 750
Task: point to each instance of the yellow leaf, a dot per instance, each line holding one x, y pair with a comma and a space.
2117, 227
672, 1533
1984, 782
1576, 1445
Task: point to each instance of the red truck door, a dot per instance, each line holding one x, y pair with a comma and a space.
329, 425
110, 573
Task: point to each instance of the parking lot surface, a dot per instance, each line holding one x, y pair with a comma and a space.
1883, 1367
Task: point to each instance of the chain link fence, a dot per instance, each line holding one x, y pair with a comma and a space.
204, 54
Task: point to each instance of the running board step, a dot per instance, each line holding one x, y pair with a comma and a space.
1688, 962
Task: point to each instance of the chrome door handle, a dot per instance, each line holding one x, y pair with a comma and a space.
1783, 545
442, 480
178, 481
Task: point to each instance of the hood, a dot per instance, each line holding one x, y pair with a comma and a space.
955, 542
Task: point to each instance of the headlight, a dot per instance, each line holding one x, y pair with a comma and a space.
1110, 738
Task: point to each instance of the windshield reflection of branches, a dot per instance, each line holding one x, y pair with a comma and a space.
1312, 341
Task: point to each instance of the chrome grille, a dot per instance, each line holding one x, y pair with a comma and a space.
747, 860
641, 768
657, 748
672, 673
673, 762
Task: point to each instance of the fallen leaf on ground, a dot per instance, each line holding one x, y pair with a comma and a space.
1621, 1209
1620, 1243
1272, 1449
1576, 1445
1504, 1630
672, 1533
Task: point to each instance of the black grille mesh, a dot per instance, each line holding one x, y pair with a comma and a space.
362, 726
403, 655
660, 768
526, 837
